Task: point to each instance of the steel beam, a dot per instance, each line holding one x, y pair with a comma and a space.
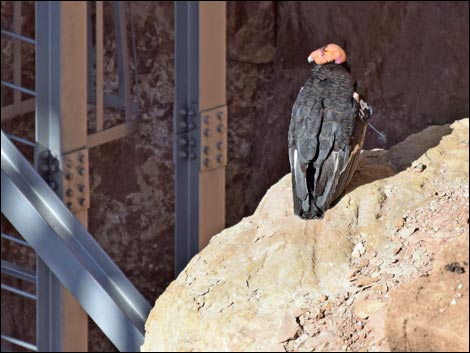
186, 127
200, 28
61, 120
122, 55
18, 271
69, 250
212, 98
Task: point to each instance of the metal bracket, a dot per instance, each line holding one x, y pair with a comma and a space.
47, 166
186, 141
75, 180
214, 138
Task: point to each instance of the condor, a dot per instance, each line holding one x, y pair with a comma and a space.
326, 133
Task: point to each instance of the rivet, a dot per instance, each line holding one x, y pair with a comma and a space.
183, 142
220, 158
192, 142
207, 119
81, 158
81, 201
81, 170
220, 145
53, 168
183, 154
81, 187
220, 128
45, 154
52, 185
207, 162
192, 156
45, 168
191, 125
191, 112
183, 124
207, 132
206, 149
183, 112
69, 193
69, 205
68, 162
220, 115
68, 176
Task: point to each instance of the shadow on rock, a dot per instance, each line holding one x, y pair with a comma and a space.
380, 164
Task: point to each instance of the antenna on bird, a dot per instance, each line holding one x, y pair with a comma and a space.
382, 136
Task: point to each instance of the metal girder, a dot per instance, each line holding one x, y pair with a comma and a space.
199, 125
49, 310
18, 271
70, 251
186, 125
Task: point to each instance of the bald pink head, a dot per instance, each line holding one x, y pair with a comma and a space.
328, 53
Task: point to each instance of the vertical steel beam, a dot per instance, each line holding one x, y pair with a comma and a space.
212, 99
17, 21
199, 87
61, 118
99, 65
186, 101
122, 55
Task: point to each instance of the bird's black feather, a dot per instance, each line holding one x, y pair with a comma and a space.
325, 137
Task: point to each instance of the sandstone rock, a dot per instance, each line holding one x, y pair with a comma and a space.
364, 308
245, 290
431, 314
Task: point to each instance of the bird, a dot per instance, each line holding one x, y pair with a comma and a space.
326, 133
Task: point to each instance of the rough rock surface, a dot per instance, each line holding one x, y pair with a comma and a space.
275, 282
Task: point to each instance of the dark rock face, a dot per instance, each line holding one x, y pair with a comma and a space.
132, 179
410, 58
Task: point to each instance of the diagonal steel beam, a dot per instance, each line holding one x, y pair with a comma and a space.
77, 260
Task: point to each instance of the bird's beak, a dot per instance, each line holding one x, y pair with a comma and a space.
310, 59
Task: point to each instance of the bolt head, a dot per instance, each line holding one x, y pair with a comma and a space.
45, 154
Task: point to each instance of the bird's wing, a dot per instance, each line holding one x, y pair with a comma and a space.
325, 139
303, 131
334, 153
